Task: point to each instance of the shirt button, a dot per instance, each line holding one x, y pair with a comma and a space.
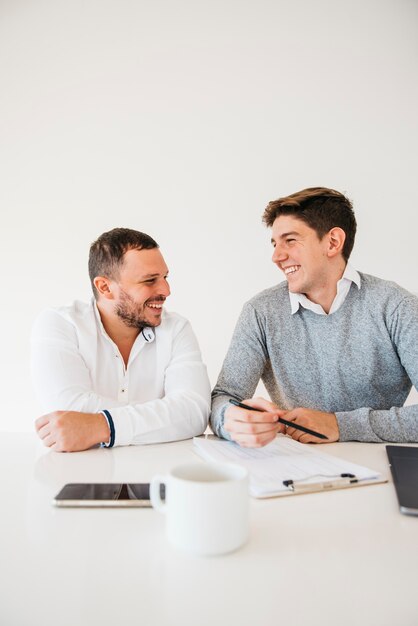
123, 390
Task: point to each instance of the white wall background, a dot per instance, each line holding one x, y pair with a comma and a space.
183, 119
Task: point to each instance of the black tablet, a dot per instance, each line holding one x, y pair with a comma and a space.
105, 494
404, 467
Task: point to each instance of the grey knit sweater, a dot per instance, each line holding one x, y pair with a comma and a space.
359, 362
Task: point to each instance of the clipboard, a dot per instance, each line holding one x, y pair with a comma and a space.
286, 467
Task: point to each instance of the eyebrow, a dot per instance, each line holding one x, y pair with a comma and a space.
292, 232
148, 276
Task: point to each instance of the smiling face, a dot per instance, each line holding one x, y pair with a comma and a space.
141, 288
303, 257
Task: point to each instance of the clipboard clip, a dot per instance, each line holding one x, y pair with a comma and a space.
338, 481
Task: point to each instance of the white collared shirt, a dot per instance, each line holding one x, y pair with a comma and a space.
162, 395
343, 287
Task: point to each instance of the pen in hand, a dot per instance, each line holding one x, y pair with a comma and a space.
281, 420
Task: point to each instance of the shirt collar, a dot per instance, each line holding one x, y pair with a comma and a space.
98, 318
349, 276
352, 275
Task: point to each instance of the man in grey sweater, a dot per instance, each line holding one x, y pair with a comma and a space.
337, 350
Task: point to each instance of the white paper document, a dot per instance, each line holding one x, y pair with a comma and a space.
286, 460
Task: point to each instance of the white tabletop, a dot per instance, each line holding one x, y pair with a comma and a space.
346, 557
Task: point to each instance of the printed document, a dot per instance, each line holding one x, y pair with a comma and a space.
282, 460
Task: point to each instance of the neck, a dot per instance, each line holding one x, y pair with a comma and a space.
325, 293
121, 334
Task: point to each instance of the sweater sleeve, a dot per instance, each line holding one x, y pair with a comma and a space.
398, 424
242, 367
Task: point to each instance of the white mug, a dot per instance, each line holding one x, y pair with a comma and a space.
207, 506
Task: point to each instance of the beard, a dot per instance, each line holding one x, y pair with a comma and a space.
133, 314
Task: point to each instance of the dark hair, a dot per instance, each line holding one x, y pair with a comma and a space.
321, 209
106, 253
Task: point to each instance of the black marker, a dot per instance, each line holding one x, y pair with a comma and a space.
281, 420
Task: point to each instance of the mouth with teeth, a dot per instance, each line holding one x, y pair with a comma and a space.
292, 269
156, 305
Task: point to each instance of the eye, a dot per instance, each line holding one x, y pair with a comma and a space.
151, 281
290, 239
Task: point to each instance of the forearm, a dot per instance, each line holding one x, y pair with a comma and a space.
398, 424
76, 399
177, 416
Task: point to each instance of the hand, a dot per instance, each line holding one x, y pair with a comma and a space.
325, 423
253, 429
72, 431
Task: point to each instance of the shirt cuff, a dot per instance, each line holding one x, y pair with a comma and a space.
109, 420
221, 430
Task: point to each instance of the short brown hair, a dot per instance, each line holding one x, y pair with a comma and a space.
321, 209
106, 253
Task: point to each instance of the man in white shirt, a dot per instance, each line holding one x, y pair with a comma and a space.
119, 370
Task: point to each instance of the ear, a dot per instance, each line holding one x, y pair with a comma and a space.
336, 239
104, 287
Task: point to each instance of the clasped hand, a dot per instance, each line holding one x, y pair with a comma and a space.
254, 429
72, 431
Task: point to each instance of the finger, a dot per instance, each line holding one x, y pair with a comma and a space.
306, 438
294, 414
299, 435
257, 417
56, 447
49, 441
44, 431
292, 432
261, 403
281, 428
252, 445
254, 441
268, 407
41, 421
236, 426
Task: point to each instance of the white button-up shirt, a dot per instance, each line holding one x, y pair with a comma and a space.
162, 395
343, 287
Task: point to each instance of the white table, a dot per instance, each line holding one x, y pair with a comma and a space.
345, 557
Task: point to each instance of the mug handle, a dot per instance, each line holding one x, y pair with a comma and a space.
155, 495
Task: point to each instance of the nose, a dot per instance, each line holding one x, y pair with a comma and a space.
164, 288
279, 254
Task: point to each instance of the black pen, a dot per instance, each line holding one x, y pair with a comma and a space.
281, 420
